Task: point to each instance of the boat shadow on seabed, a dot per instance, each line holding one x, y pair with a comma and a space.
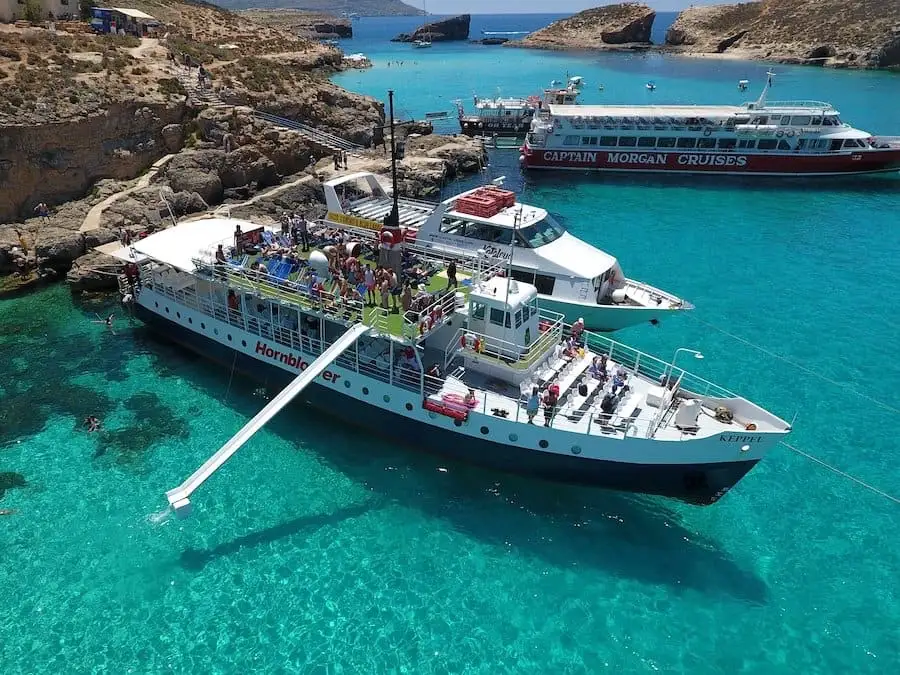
623, 535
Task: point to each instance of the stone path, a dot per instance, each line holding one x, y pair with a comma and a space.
92, 219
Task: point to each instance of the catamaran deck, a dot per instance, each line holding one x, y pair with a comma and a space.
413, 214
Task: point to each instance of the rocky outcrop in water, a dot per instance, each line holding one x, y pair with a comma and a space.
446, 30
609, 27
837, 33
301, 22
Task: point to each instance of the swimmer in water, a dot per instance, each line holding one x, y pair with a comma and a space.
7, 512
92, 423
108, 321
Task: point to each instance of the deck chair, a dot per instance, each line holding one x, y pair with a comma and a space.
268, 238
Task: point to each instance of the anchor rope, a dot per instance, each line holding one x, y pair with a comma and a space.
801, 367
843, 474
231, 376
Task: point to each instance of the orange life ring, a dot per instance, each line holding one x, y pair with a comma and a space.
750, 427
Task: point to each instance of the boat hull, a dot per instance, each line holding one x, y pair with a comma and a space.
695, 483
730, 163
606, 318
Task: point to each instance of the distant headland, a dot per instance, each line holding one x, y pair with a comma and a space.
832, 33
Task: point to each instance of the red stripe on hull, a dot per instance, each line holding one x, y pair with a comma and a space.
869, 161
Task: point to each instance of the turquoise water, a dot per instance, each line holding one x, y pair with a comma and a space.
322, 549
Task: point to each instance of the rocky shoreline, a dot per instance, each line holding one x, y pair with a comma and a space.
445, 30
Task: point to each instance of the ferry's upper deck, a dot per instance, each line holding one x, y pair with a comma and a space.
694, 111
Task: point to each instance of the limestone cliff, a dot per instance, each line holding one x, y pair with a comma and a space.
454, 28
54, 162
302, 22
611, 26
839, 33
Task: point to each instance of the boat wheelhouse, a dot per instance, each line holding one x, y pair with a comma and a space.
513, 116
572, 277
455, 367
802, 138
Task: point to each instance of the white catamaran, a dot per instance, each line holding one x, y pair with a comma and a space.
571, 276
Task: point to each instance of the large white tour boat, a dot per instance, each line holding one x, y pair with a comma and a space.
513, 116
451, 371
571, 276
784, 138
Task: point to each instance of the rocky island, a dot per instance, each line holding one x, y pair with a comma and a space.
102, 135
623, 26
446, 30
837, 33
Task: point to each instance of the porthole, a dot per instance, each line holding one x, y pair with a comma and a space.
347, 384
202, 326
543, 444
215, 331
178, 314
190, 320
156, 304
243, 343
409, 406
229, 338
745, 448
167, 310
457, 422
485, 431
365, 391
513, 437
576, 449
386, 398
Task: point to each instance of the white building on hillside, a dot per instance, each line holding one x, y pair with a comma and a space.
14, 10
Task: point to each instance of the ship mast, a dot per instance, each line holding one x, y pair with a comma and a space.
761, 101
393, 218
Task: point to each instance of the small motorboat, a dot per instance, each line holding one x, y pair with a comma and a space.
650, 86
743, 84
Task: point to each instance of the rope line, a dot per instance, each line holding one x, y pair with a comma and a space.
801, 367
828, 466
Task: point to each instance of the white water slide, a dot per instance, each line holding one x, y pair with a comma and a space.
179, 498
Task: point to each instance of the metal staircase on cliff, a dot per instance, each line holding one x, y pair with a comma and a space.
208, 97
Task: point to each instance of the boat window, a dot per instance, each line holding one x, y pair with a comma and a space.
775, 119
589, 140
570, 140
835, 145
544, 284
539, 234
853, 143
491, 233
784, 145
523, 275
478, 310
727, 143
816, 121
801, 121
608, 141
647, 142
452, 225
627, 142
767, 144
498, 316
518, 318
748, 144
687, 142
706, 143
665, 143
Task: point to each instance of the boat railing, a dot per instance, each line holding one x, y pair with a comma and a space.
298, 294
513, 355
815, 105
421, 323
653, 368
656, 293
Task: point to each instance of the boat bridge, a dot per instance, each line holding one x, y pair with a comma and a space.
180, 497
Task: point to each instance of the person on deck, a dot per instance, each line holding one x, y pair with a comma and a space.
533, 405
551, 398
303, 229
577, 331
220, 255
238, 241
369, 279
451, 275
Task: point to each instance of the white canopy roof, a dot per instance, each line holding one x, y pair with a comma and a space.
133, 13
179, 245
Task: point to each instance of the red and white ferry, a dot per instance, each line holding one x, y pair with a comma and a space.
782, 138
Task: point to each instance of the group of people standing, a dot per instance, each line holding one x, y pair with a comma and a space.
297, 228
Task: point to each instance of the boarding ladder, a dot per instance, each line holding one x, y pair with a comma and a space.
180, 497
